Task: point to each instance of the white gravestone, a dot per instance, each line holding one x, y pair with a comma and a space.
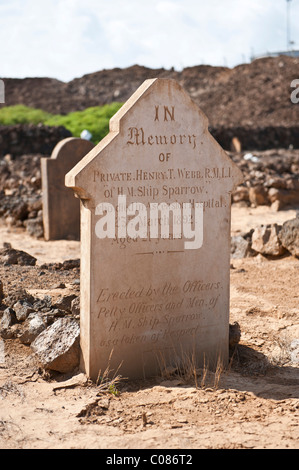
154, 277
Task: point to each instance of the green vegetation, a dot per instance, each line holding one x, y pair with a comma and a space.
20, 114
95, 119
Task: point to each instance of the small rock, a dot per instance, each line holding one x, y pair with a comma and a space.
75, 306
7, 245
16, 330
32, 327
51, 315
265, 240
65, 303
12, 256
44, 304
289, 236
275, 195
18, 295
23, 308
240, 248
8, 319
70, 264
57, 347
241, 193
35, 227
276, 182
284, 196
258, 195
276, 206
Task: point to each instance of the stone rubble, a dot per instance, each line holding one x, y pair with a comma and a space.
271, 240
25, 318
270, 178
46, 326
32, 327
265, 240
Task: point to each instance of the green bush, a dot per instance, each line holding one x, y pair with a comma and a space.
94, 119
20, 114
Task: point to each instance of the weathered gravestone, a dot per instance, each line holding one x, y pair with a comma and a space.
155, 286
61, 210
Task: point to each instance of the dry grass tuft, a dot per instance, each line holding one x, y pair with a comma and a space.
108, 381
185, 369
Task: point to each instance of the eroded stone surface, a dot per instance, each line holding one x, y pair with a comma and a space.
57, 347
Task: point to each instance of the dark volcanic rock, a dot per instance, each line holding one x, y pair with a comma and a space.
28, 138
12, 256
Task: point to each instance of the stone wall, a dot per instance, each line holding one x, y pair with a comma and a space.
258, 138
22, 139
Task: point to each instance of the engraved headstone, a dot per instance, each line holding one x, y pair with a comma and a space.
155, 238
61, 209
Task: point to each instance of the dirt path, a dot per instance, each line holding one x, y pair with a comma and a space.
252, 404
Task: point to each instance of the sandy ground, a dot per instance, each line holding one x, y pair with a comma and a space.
252, 404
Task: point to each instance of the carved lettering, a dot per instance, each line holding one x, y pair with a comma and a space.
157, 113
137, 136
168, 114
218, 173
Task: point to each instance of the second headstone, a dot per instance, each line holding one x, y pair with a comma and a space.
61, 210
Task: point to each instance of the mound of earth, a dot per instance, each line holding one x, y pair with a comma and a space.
251, 94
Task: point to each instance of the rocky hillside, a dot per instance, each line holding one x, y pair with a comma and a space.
255, 94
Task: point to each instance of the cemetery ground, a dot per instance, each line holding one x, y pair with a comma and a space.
254, 403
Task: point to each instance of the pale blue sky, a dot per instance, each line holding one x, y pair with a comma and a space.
65, 39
